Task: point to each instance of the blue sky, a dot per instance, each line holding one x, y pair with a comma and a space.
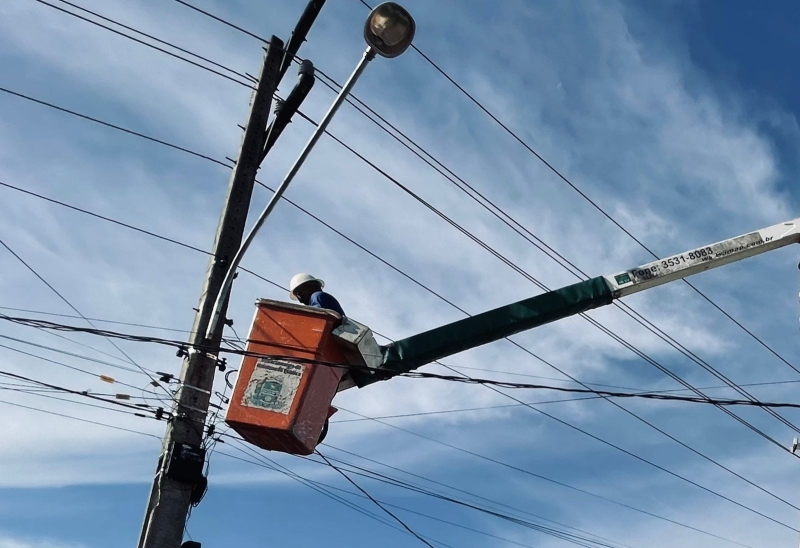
678, 119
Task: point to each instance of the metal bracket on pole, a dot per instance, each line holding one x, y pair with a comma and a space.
285, 111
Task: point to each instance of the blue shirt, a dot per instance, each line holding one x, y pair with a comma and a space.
320, 299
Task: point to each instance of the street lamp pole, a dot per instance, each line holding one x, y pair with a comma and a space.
388, 32
369, 54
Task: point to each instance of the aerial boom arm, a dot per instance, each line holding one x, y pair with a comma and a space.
703, 258
415, 351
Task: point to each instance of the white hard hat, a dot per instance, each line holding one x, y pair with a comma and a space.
300, 279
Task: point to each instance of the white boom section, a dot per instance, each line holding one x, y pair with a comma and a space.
703, 258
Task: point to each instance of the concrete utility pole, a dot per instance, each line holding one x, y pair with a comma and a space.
179, 473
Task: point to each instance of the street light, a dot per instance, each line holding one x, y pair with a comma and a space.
388, 32
389, 29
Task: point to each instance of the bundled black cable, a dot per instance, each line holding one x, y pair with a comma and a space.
387, 374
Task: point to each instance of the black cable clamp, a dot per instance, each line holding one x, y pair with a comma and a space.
222, 364
165, 377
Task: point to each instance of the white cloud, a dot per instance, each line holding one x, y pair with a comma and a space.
16, 542
663, 154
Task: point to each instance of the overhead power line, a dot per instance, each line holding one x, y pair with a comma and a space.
628, 310
536, 475
50, 396
378, 504
459, 367
587, 198
68, 303
596, 541
161, 50
540, 244
516, 344
74, 355
492, 508
368, 418
636, 316
63, 415
98, 320
104, 378
261, 460
44, 324
141, 408
503, 216
579, 540
564, 422
545, 402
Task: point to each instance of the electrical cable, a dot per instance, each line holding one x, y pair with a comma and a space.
79, 419
636, 316
424, 203
661, 334
86, 404
513, 405
324, 486
99, 320
141, 408
72, 354
273, 465
179, 57
542, 477
545, 288
382, 478
151, 37
390, 374
564, 535
64, 299
320, 490
104, 378
537, 242
92, 348
113, 126
162, 50
549, 250
277, 285
457, 379
406, 485
487, 382
592, 202
378, 504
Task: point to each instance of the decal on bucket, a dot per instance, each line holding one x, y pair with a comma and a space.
273, 385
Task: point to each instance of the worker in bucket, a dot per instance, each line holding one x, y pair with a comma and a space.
308, 290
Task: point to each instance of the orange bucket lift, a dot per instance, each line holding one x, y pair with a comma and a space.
282, 402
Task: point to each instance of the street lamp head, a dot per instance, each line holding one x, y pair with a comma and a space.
389, 29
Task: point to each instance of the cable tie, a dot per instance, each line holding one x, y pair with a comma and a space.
184, 385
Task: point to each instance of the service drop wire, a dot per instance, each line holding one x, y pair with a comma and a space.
386, 374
